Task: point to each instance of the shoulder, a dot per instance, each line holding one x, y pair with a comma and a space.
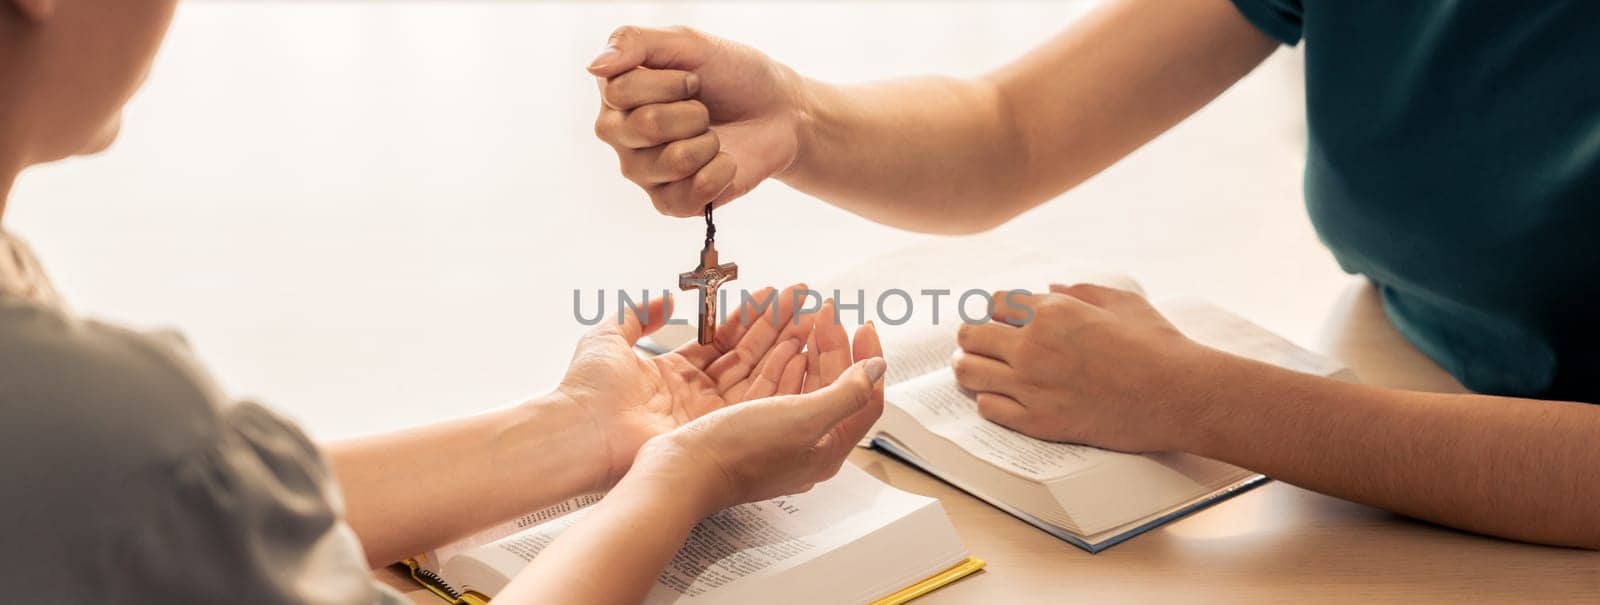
87, 395
135, 468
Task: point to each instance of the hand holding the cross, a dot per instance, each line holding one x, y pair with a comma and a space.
753, 355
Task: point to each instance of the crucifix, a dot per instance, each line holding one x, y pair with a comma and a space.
707, 278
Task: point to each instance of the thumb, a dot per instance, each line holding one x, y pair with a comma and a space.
656, 48
822, 410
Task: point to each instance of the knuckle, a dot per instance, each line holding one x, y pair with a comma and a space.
1054, 309
686, 31
604, 124
704, 187
647, 121
682, 206
615, 91
679, 160
987, 408
624, 33
659, 200
965, 376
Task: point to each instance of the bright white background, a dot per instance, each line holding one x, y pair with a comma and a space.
373, 214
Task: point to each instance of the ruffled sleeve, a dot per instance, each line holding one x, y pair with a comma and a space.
255, 517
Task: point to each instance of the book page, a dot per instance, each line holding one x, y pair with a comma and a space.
938, 403
742, 543
1216, 327
434, 559
917, 351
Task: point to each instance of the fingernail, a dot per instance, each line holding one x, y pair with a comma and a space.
691, 82
875, 369
605, 57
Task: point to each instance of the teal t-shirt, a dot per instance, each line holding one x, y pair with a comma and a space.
1454, 159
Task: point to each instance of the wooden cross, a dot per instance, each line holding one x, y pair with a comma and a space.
707, 278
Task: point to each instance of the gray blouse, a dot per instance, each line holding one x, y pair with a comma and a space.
129, 478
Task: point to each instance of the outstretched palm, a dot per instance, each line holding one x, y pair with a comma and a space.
633, 398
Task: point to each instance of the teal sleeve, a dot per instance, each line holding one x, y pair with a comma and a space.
1281, 19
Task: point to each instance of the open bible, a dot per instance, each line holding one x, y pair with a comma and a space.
1090, 497
851, 539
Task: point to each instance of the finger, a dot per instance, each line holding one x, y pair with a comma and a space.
984, 374
646, 86
794, 375
609, 126
1014, 307
663, 123
761, 333
816, 414
813, 379
656, 314
689, 196
797, 330
866, 346
843, 436
833, 343
989, 339
633, 324
764, 381
832, 346
674, 161
657, 48
728, 332
1003, 410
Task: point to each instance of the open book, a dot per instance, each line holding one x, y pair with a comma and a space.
851, 539
1090, 497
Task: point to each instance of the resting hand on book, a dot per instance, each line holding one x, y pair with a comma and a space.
756, 353
1093, 365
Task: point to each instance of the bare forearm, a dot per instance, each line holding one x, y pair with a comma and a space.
928, 154
1515, 468
619, 548
424, 487
949, 155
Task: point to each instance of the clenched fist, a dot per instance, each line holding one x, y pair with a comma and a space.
695, 119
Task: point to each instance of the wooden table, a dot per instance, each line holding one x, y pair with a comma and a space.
1276, 543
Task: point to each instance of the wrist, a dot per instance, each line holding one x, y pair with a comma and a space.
574, 423
668, 465
1200, 407
811, 100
